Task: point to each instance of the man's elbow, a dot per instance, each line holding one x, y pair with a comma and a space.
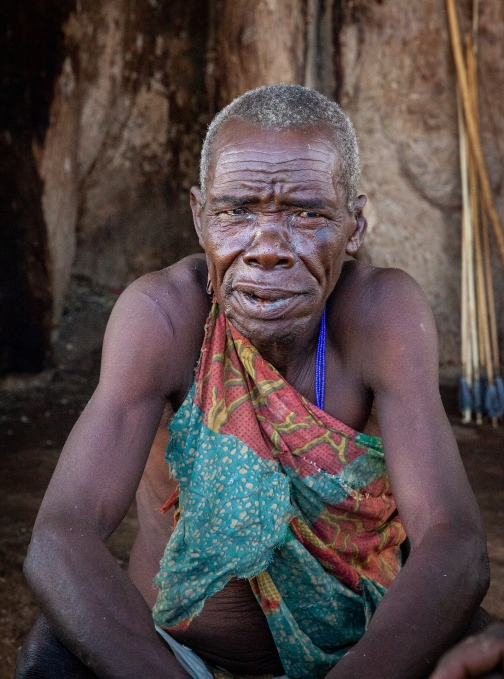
44, 557
477, 566
463, 544
482, 570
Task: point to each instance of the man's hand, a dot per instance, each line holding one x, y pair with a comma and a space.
478, 656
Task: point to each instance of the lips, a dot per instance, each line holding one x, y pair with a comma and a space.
266, 303
263, 293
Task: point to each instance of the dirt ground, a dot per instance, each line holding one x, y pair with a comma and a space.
37, 413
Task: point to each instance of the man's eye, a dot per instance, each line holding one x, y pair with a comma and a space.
308, 214
236, 212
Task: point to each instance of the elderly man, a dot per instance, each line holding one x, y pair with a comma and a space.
286, 557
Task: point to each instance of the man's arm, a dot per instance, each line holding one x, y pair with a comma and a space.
446, 575
90, 602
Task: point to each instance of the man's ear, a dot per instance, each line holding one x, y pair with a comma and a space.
356, 238
197, 208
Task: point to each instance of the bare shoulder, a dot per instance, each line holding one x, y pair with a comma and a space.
156, 329
389, 322
382, 299
178, 290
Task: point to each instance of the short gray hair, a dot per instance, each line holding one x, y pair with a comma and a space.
277, 107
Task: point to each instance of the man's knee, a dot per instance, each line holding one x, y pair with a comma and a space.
43, 656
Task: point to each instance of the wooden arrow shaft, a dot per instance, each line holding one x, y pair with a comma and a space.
471, 126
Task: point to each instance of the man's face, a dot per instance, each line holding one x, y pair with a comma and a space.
275, 226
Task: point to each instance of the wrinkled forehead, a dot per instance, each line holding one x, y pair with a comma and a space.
244, 152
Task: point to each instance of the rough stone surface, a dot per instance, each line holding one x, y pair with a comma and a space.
57, 166
257, 43
127, 119
399, 89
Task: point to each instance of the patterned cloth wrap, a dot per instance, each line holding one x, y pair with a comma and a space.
273, 489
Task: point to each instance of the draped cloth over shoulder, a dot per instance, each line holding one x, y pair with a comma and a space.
273, 489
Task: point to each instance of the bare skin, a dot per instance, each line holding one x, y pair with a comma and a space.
478, 656
278, 240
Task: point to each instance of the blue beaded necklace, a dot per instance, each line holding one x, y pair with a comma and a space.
320, 364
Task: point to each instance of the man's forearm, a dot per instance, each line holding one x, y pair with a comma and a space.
94, 608
424, 612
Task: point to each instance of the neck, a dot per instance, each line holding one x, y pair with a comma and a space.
291, 355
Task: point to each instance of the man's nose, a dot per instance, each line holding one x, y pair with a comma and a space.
270, 248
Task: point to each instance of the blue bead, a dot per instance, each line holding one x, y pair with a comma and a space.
320, 364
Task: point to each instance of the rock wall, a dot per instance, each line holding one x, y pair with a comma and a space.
399, 89
140, 81
129, 111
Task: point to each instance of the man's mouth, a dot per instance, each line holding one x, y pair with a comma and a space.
263, 294
266, 303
